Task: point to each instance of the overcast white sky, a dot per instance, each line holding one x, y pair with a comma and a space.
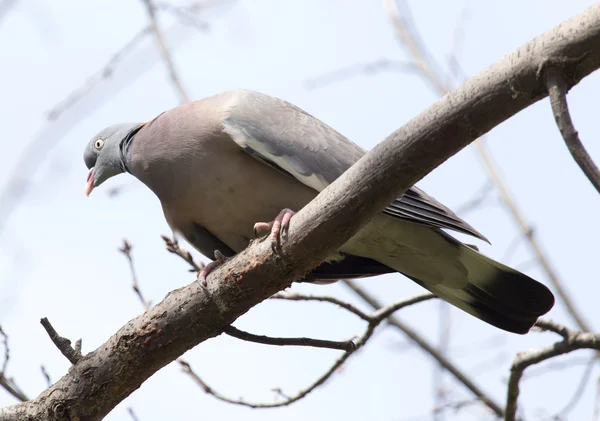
58, 249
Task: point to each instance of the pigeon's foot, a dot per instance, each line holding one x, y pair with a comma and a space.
278, 228
220, 258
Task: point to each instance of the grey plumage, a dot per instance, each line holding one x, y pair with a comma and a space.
220, 164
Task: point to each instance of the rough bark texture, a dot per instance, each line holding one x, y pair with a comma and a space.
190, 315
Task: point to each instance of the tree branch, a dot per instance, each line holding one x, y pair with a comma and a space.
332, 300
373, 319
164, 52
431, 350
557, 90
572, 340
347, 346
191, 315
409, 38
173, 247
135, 285
63, 344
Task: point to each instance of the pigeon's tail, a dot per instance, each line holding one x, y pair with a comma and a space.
457, 273
494, 293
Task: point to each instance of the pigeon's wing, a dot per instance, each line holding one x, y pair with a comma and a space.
297, 144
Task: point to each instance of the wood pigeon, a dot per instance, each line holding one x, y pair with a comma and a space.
222, 164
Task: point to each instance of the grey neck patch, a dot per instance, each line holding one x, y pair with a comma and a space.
124, 146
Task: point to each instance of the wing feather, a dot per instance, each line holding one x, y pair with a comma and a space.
289, 139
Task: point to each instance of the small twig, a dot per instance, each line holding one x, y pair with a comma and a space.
126, 250
373, 319
173, 247
12, 388
8, 383
596, 401
431, 350
164, 52
332, 300
578, 394
572, 340
63, 344
78, 346
4, 337
534, 372
370, 68
557, 91
132, 414
514, 244
184, 15
267, 340
104, 73
478, 199
457, 44
385, 312
46, 376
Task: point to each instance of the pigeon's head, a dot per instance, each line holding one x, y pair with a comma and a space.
103, 156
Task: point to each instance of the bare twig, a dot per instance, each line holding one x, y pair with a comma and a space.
132, 414
332, 300
173, 247
164, 51
478, 199
431, 350
557, 91
46, 376
408, 37
596, 401
267, 340
4, 340
104, 73
6, 382
339, 75
572, 340
184, 15
578, 394
10, 386
373, 320
126, 250
63, 344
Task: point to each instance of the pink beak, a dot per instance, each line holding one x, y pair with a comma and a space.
89, 185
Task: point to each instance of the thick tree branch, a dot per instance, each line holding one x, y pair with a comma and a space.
572, 340
557, 89
190, 315
409, 37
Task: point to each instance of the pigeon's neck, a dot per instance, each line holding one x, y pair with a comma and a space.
125, 145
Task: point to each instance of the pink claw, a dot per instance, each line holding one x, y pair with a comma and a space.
206, 269
278, 228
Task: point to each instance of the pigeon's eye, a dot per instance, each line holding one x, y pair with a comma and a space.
99, 143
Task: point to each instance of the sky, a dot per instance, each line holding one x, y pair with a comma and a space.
58, 248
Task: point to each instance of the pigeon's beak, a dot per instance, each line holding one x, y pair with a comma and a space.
89, 185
